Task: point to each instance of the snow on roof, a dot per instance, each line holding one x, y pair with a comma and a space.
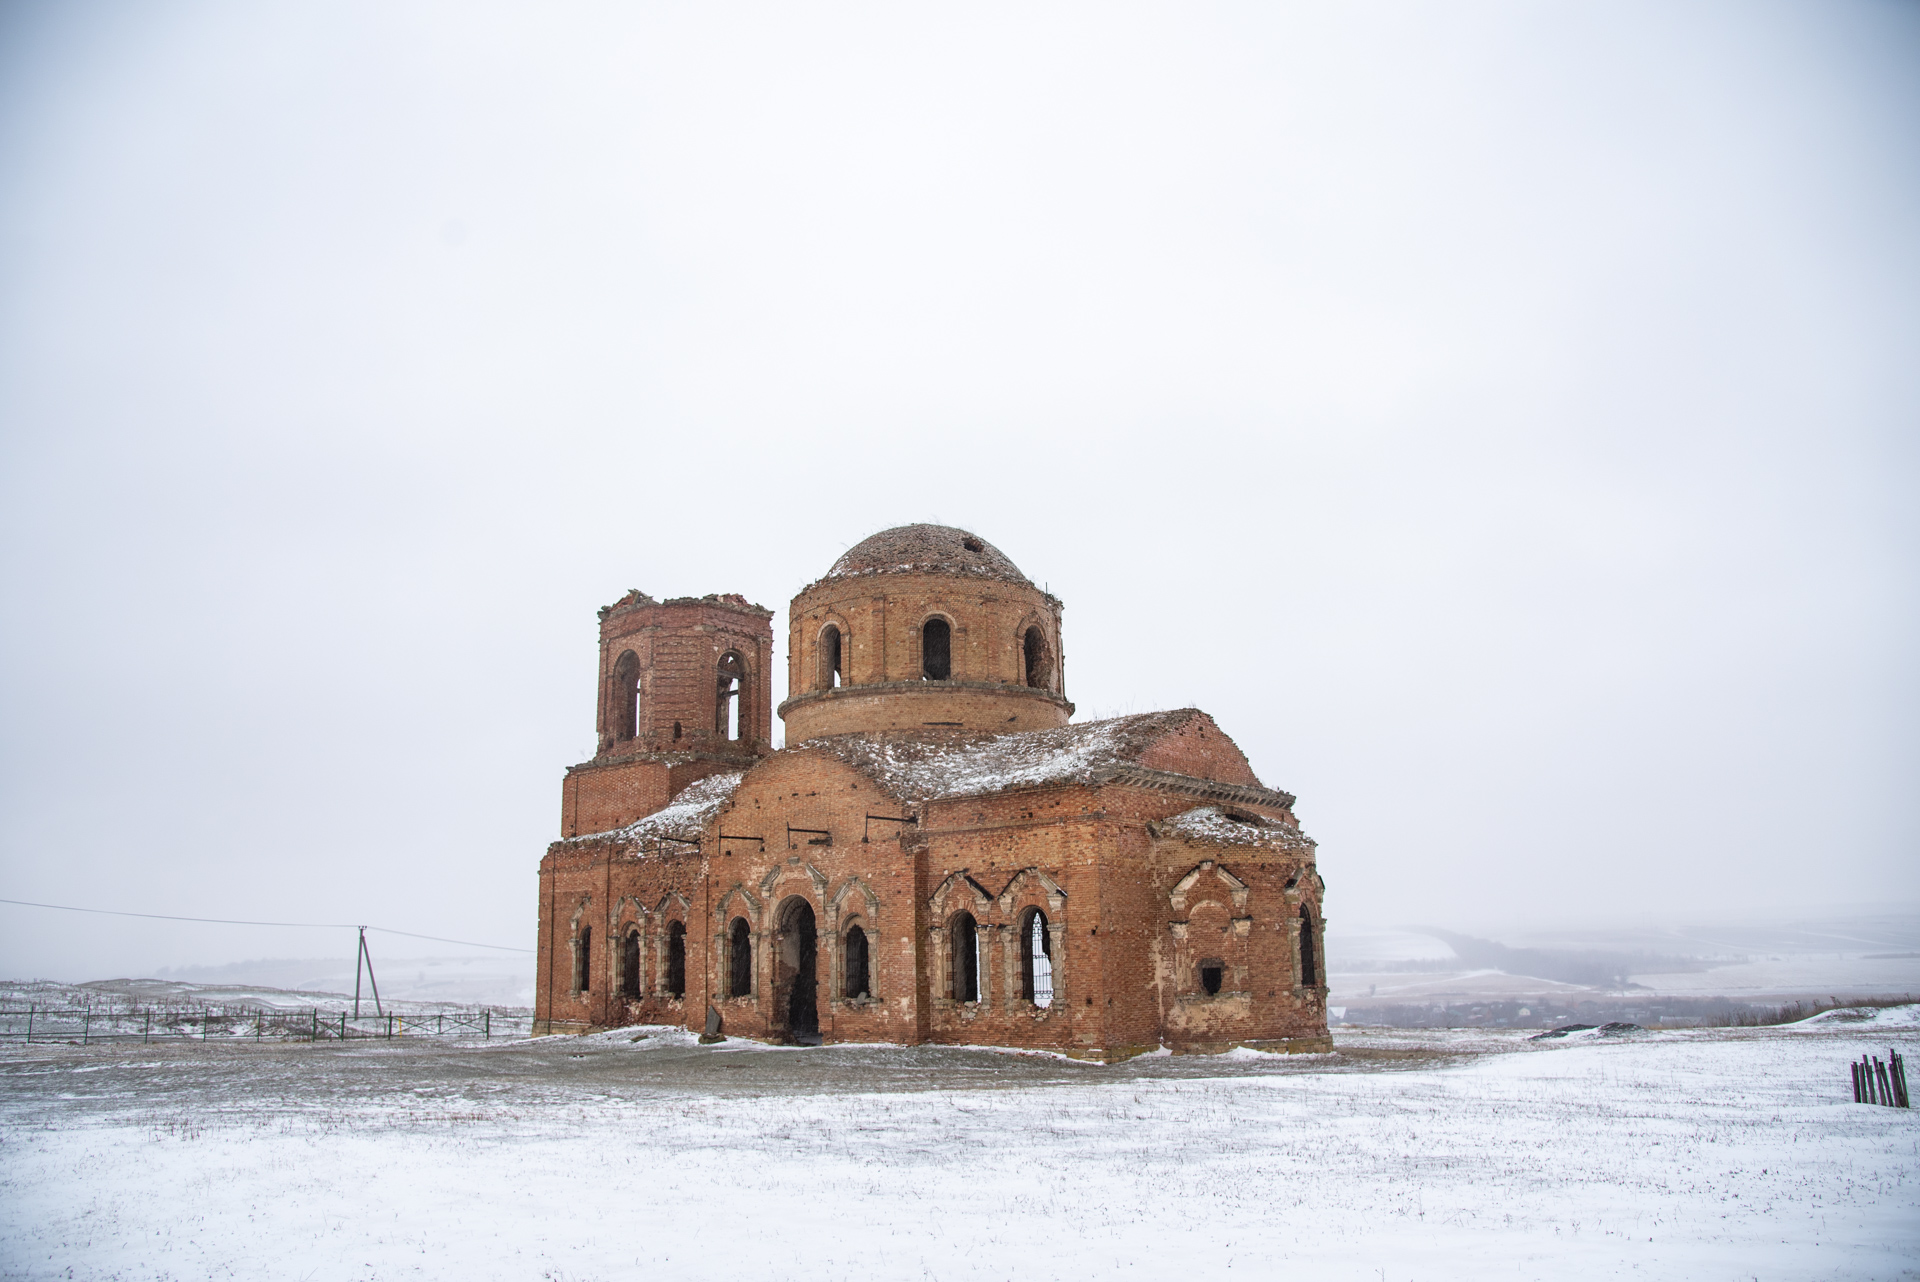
683, 817
1219, 827
931, 769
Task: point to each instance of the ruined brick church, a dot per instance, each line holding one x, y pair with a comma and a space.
938, 855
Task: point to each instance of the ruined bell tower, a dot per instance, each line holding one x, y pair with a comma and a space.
683, 693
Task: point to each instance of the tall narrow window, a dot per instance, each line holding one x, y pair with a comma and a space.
830, 672
856, 963
1034, 647
936, 649
1309, 963
630, 966
582, 959
727, 712
966, 959
677, 960
623, 708
739, 959
1036, 959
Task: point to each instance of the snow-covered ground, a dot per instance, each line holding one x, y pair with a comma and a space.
1702, 1154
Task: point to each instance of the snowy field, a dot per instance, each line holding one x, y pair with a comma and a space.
1703, 1154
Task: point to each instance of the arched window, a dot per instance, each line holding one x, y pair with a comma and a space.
739, 959
677, 959
630, 966
624, 707
966, 959
582, 959
856, 964
729, 716
1309, 963
830, 670
1036, 959
936, 650
1033, 646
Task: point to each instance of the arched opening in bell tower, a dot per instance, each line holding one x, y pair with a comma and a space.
729, 695
624, 702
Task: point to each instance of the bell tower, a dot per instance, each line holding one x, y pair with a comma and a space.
683, 693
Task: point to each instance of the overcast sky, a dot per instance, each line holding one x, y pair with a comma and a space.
1501, 418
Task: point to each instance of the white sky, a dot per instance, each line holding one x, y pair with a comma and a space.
1502, 418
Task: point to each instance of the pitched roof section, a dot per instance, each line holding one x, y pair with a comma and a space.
1117, 750
937, 549
1217, 827
681, 819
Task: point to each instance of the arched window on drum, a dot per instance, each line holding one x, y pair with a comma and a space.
832, 661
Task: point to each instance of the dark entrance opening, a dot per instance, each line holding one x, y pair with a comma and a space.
1211, 974
799, 949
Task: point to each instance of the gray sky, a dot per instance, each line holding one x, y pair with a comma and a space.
1502, 418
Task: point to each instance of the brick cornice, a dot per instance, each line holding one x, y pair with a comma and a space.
1188, 785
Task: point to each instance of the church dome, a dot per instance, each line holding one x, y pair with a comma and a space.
924, 549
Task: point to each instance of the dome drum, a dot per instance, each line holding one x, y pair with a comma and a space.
931, 619
922, 707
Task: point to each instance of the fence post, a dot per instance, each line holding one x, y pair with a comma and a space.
343, 1026
147, 1029
486, 1022
30, 1023
314, 1035
86, 1024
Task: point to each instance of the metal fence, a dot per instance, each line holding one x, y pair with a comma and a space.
85, 1025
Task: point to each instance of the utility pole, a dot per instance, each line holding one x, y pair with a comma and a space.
365, 956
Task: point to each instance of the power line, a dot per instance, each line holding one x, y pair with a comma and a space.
298, 925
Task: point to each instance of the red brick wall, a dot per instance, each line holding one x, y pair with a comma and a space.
1125, 978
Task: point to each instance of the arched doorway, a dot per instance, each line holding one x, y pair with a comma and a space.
799, 948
